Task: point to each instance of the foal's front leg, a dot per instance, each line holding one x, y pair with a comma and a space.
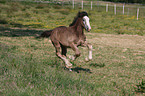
90, 47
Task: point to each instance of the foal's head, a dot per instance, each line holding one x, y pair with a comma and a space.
84, 20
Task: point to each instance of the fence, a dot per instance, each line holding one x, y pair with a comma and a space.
115, 8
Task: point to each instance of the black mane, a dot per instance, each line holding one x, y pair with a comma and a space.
79, 15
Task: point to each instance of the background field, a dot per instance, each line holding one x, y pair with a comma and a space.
29, 66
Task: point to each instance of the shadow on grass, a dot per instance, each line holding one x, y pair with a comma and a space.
97, 65
79, 69
18, 32
140, 87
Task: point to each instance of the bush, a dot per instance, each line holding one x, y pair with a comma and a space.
141, 87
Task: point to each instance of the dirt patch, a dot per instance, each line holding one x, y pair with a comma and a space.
123, 41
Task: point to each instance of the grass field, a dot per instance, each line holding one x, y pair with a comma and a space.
29, 67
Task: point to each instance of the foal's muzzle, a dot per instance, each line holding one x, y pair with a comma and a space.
89, 30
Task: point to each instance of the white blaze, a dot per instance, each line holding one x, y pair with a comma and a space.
87, 23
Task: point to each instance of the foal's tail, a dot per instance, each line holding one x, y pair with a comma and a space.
45, 34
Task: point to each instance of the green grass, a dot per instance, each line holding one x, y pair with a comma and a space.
29, 67
49, 16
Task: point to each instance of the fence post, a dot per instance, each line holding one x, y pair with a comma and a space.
106, 7
115, 9
73, 4
123, 9
128, 12
91, 5
137, 13
98, 6
82, 4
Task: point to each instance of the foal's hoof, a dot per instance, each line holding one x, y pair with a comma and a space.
69, 68
72, 58
87, 60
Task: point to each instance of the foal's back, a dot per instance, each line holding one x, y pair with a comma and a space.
64, 35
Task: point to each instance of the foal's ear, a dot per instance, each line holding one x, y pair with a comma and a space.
82, 14
79, 14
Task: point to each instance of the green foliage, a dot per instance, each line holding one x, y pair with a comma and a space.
141, 87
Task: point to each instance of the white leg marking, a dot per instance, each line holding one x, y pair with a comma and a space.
90, 52
72, 57
68, 64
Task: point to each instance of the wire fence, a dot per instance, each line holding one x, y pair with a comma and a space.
136, 10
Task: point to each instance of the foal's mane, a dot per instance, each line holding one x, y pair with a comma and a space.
79, 15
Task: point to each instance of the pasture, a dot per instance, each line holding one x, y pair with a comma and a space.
29, 67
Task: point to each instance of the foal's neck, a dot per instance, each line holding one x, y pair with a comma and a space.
78, 28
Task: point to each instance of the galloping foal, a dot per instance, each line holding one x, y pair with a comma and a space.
71, 37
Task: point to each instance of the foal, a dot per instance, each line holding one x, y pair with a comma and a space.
71, 37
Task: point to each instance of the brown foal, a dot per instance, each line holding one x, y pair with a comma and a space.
71, 37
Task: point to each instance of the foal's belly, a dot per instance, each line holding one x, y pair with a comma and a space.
70, 41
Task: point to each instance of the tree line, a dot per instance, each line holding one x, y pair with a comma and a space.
127, 1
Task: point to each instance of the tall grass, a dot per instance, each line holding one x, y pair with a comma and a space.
26, 75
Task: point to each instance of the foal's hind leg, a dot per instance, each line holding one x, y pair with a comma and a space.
76, 50
64, 50
58, 53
